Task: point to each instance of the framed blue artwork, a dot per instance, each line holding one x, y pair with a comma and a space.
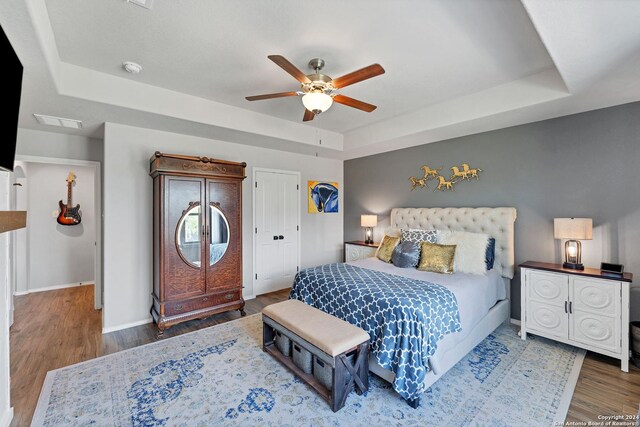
323, 197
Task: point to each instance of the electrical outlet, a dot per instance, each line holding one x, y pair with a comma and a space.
55, 214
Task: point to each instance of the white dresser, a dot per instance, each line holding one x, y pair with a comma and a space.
354, 251
581, 308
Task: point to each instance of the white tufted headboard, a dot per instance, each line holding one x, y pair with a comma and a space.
496, 222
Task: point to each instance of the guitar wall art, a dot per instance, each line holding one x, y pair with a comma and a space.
69, 214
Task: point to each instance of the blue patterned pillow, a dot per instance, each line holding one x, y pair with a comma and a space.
490, 254
406, 255
417, 236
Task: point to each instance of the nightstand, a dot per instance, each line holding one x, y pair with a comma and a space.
356, 250
583, 308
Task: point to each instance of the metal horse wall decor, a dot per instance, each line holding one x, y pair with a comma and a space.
458, 174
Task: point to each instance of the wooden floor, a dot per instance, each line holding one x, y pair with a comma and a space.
59, 328
69, 331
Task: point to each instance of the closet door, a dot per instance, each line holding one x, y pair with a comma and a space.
276, 204
223, 245
268, 251
184, 275
288, 225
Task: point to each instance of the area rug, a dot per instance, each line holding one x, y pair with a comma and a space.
220, 376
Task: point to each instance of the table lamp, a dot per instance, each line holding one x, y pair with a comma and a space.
573, 229
368, 221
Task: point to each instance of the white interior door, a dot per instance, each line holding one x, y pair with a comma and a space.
277, 212
288, 236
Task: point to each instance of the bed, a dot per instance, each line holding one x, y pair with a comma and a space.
355, 290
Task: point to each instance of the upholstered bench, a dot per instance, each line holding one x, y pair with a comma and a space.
339, 349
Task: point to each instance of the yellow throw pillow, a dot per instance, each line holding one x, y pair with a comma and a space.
385, 250
436, 258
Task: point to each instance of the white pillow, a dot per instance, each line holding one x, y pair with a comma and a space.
470, 250
392, 231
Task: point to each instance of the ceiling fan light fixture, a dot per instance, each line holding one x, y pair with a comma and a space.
318, 90
317, 102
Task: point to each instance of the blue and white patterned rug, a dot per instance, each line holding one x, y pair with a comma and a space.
220, 376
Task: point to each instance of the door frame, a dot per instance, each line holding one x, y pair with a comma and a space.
253, 216
97, 183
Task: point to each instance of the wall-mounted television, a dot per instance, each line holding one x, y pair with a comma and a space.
12, 89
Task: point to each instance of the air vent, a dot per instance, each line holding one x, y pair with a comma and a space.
147, 4
58, 121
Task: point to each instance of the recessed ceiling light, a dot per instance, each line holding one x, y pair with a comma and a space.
147, 4
58, 121
132, 67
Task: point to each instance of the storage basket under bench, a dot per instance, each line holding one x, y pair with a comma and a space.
327, 353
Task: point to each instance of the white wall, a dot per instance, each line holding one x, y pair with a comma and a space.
59, 145
127, 242
45, 144
58, 254
5, 410
19, 244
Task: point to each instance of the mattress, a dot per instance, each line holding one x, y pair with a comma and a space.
475, 294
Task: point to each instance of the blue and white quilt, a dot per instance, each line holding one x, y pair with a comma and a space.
405, 318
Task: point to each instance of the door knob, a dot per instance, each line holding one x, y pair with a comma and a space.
281, 237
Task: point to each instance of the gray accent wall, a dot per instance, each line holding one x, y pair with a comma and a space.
583, 165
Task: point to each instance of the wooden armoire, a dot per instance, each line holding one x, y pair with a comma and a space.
197, 237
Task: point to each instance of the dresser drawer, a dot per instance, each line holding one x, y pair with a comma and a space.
595, 330
596, 296
180, 307
356, 252
595, 313
548, 288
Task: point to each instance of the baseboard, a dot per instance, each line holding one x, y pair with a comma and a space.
126, 325
53, 288
5, 420
248, 297
514, 321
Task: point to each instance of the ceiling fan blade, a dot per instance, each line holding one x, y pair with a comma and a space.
283, 63
358, 76
270, 96
345, 100
308, 115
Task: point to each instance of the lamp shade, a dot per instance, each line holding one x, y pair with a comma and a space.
368, 220
573, 228
317, 102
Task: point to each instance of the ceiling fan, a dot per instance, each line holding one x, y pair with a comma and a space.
318, 90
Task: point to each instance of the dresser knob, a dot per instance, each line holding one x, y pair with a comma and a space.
179, 307
229, 296
205, 299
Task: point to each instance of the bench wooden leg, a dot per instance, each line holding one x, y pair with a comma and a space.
358, 376
363, 367
338, 391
